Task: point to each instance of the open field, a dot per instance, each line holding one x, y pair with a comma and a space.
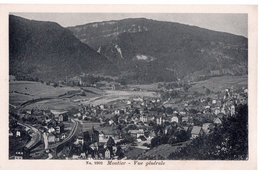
21, 91
94, 90
16, 99
151, 87
82, 98
38, 89
52, 104
113, 95
216, 84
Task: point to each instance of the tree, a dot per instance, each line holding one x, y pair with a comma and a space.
110, 142
122, 81
80, 117
119, 152
128, 138
55, 85
169, 110
115, 118
228, 141
156, 141
159, 140
207, 91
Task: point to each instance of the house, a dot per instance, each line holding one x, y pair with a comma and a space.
51, 138
110, 122
29, 112
94, 146
141, 138
116, 87
75, 156
63, 117
206, 128
143, 118
196, 132
217, 110
80, 139
11, 133
102, 107
151, 135
107, 154
160, 120
60, 115
110, 132
207, 107
22, 153
232, 110
83, 155
85, 117
190, 121
136, 133
182, 113
217, 121
18, 154
18, 132
59, 128
51, 129
223, 110
175, 119
185, 119
102, 137
63, 136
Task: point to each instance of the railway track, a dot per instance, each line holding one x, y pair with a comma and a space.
36, 136
69, 137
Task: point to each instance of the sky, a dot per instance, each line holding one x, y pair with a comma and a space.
231, 23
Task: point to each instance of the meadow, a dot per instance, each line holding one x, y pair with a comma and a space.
52, 104
22, 91
219, 84
114, 95
152, 87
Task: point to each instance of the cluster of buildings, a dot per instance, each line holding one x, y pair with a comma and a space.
139, 116
136, 121
91, 145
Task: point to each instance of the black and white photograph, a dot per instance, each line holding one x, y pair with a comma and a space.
126, 86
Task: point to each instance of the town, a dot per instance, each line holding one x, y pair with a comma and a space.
148, 124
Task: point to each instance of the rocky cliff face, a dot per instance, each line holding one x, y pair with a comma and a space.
100, 33
148, 50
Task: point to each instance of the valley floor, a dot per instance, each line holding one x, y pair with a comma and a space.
138, 122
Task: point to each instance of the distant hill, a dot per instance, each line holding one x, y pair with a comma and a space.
150, 51
48, 51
